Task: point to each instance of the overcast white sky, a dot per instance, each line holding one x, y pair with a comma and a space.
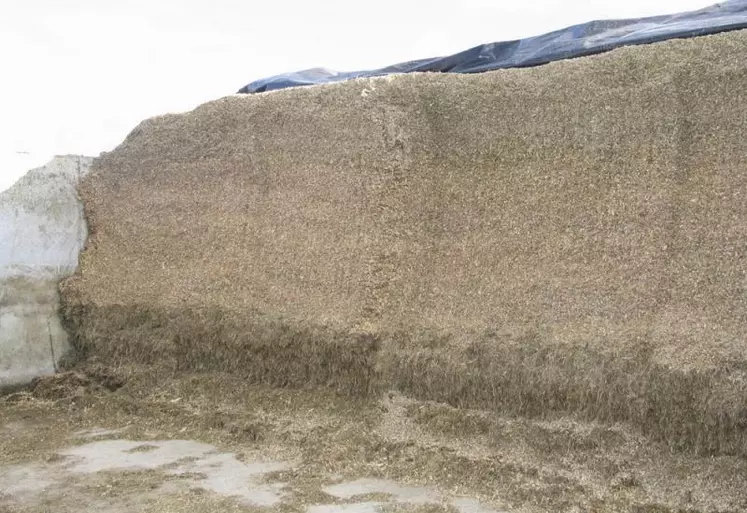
78, 75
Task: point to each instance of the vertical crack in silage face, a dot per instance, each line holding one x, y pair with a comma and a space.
682, 163
389, 190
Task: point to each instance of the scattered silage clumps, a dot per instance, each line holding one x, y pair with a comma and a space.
559, 240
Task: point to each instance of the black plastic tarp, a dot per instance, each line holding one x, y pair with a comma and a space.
576, 41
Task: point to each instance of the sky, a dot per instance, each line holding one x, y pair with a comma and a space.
78, 75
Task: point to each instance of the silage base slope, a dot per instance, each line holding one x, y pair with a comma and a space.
565, 239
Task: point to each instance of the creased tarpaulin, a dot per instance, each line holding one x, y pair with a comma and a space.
575, 41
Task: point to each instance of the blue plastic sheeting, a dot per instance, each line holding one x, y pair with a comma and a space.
576, 41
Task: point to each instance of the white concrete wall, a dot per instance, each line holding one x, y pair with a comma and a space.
42, 230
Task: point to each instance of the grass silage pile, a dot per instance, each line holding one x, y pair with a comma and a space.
567, 240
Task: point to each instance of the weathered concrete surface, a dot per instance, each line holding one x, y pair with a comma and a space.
206, 442
42, 230
196, 466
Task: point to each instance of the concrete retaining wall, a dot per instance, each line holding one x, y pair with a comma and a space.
42, 230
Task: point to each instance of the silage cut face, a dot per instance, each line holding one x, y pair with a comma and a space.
517, 224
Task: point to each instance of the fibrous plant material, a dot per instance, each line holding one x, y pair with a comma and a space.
567, 239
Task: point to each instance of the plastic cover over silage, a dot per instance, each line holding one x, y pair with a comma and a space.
575, 41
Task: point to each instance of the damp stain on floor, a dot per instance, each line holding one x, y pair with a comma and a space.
157, 469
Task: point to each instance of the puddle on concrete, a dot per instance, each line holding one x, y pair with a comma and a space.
97, 432
227, 476
199, 466
118, 455
467, 505
358, 507
223, 473
400, 494
23, 480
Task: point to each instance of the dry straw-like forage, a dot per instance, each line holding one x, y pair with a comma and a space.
563, 239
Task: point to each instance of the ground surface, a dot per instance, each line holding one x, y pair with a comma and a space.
129, 441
